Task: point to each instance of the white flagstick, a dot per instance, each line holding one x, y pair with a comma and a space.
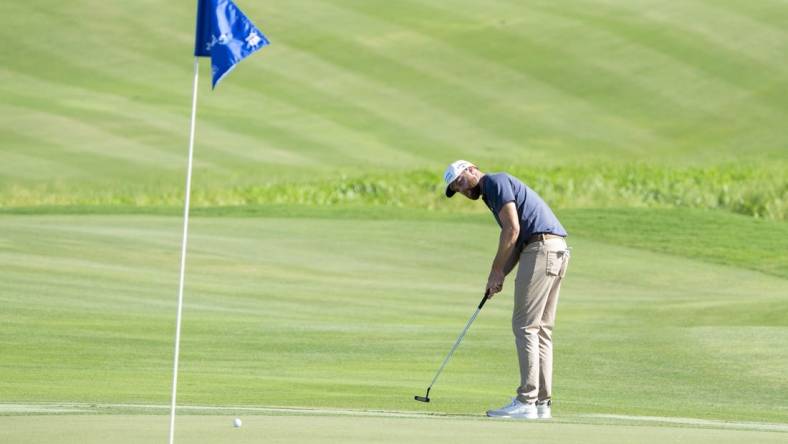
183, 253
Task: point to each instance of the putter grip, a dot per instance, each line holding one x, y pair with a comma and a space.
484, 299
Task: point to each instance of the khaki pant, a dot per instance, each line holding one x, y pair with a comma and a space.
542, 266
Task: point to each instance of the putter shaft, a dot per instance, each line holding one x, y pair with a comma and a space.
454, 347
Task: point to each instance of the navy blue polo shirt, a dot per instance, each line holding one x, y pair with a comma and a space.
536, 217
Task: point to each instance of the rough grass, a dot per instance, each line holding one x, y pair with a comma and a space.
758, 190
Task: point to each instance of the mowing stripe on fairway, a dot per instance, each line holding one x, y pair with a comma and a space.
15, 409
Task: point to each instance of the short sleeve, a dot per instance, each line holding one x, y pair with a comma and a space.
501, 192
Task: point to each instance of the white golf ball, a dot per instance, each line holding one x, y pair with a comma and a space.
237, 422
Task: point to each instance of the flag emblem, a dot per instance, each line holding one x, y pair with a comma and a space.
253, 39
225, 35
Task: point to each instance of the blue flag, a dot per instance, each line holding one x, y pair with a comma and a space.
225, 35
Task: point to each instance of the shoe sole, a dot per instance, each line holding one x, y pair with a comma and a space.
512, 416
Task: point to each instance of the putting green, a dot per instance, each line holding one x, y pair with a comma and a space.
122, 429
354, 313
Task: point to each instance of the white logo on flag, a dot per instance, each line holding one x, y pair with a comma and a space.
223, 39
253, 39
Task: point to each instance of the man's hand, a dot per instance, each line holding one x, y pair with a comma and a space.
494, 283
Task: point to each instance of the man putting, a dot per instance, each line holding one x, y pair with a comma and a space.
532, 236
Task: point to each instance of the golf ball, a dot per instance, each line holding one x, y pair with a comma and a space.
237, 422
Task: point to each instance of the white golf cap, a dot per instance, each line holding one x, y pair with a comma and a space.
452, 172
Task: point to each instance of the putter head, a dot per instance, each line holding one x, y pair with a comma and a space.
425, 398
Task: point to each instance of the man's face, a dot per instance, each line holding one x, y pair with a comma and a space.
467, 184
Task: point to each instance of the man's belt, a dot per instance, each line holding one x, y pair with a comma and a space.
538, 237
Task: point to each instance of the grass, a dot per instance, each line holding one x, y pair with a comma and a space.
350, 313
586, 91
326, 271
752, 190
287, 429
714, 236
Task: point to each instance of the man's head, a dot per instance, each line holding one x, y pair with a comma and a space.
463, 177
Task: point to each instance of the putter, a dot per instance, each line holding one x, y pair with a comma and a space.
426, 398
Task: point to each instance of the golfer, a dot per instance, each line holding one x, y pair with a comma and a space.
532, 236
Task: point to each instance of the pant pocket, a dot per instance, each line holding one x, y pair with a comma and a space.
555, 262
565, 264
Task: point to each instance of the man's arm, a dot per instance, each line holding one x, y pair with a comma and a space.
510, 230
512, 262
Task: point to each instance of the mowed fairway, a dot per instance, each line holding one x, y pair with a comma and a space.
342, 313
359, 87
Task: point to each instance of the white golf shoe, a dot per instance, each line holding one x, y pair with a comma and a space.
543, 409
516, 409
